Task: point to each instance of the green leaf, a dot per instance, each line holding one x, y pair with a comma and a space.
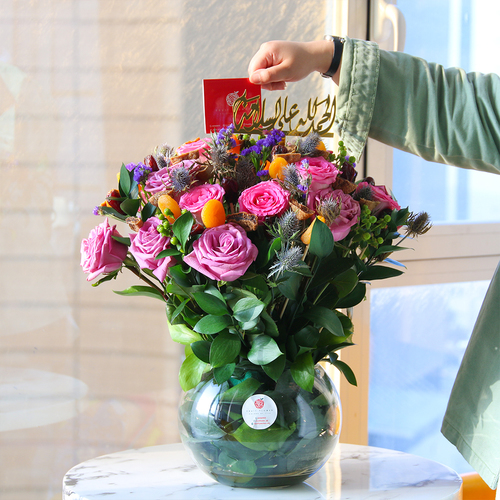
346, 370
182, 228
345, 282
169, 252
125, 181
322, 316
201, 349
224, 349
108, 277
122, 239
224, 373
113, 213
143, 291
178, 310
183, 334
212, 324
379, 273
270, 439
215, 292
147, 211
290, 286
354, 298
241, 392
307, 336
210, 304
264, 350
329, 268
270, 326
321, 240
388, 249
179, 276
130, 207
275, 368
247, 309
191, 372
238, 466
302, 371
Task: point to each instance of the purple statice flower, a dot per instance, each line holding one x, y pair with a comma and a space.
97, 210
263, 173
130, 167
302, 188
224, 136
141, 172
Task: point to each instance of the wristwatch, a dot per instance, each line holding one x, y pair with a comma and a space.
338, 43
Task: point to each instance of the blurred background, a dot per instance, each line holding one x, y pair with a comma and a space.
84, 86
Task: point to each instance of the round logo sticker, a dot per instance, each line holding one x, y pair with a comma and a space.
259, 411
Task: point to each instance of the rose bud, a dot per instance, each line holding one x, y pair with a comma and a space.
150, 162
112, 203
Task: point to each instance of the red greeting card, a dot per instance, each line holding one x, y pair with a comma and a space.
219, 96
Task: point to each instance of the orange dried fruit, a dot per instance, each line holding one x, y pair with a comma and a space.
276, 168
306, 235
321, 146
213, 214
166, 202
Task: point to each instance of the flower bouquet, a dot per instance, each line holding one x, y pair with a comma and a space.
259, 246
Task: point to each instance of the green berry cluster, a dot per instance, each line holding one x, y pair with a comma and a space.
369, 231
165, 228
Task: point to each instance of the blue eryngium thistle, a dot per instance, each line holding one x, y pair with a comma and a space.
287, 259
291, 175
330, 209
286, 227
181, 179
309, 144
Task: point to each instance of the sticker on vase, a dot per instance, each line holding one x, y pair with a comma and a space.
259, 411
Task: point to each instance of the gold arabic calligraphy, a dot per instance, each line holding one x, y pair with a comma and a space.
249, 116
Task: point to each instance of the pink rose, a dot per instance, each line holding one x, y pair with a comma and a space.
101, 254
147, 244
323, 173
222, 253
200, 145
194, 200
265, 199
379, 193
350, 211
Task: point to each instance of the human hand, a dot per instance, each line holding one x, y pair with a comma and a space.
279, 62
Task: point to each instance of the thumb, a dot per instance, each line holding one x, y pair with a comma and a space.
268, 75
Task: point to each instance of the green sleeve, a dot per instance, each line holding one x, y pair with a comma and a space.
451, 117
441, 115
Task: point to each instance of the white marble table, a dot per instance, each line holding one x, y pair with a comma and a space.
31, 398
353, 472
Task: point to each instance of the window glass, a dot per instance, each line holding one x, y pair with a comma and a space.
418, 337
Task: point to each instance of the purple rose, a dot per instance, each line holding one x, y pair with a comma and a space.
222, 253
101, 254
380, 194
350, 211
323, 173
147, 244
161, 180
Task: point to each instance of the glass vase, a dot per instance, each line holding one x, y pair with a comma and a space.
254, 432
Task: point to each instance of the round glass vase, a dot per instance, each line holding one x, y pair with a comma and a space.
254, 432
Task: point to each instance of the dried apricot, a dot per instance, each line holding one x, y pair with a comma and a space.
167, 203
213, 214
306, 235
276, 168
